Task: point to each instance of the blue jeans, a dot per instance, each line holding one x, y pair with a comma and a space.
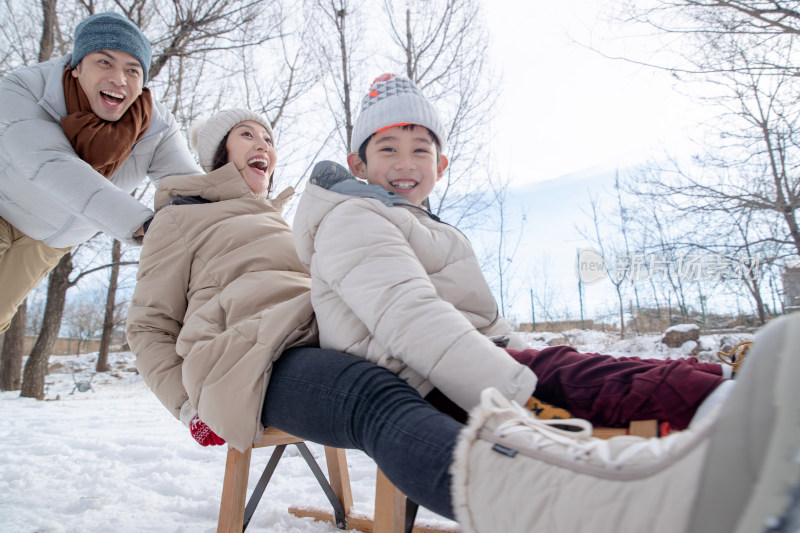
341, 400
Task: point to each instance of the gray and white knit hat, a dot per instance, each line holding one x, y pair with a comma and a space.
394, 101
111, 31
205, 137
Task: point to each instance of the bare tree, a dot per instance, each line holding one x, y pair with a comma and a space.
699, 28
741, 190
110, 308
61, 279
666, 247
442, 46
617, 250
193, 40
36, 366
35, 312
744, 53
749, 166
506, 240
21, 36
49, 29
339, 33
83, 318
11, 355
751, 266
616, 271
549, 303
280, 85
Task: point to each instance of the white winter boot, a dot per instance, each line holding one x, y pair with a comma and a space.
753, 466
735, 471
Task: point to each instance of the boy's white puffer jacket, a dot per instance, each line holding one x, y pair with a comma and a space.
394, 285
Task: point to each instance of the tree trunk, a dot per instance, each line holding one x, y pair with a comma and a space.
47, 42
755, 290
341, 16
108, 320
621, 313
409, 45
36, 367
13, 345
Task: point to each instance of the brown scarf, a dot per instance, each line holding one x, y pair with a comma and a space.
104, 145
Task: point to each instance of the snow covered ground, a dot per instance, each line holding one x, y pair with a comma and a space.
113, 459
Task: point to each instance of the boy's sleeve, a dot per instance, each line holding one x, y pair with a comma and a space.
157, 311
370, 265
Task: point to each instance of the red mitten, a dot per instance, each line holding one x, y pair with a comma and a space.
203, 434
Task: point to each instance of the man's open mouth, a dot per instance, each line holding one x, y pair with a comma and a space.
112, 98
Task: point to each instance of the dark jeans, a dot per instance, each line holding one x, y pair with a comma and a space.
613, 391
341, 400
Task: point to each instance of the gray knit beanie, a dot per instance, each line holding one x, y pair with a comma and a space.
394, 101
111, 31
205, 137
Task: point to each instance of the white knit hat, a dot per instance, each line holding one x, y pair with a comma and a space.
205, 137
394, 101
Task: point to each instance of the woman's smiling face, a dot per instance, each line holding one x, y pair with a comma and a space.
250, 148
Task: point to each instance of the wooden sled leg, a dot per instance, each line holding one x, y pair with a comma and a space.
234, 491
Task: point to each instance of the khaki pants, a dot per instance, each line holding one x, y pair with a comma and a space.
24, 262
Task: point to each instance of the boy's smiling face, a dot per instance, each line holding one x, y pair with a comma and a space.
402, 160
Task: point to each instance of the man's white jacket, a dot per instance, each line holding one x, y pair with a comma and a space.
47, 191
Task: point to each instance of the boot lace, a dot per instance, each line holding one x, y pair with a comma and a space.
574, 438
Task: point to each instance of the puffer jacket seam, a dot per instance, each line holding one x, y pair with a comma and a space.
176, 220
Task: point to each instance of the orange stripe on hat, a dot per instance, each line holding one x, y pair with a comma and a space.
392, 126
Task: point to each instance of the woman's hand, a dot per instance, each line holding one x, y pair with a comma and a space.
203, 434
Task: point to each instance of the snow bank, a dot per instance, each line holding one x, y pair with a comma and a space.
113, 459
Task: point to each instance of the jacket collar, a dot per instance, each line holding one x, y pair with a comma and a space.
53, 96
224, 183
334, 177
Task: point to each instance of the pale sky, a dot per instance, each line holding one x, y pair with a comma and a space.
564, 107
568, 119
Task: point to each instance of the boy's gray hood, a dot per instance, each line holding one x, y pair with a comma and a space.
336, 178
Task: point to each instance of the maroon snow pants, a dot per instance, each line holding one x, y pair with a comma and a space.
613, 391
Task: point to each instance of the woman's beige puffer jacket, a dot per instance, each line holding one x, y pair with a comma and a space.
396, 286
220, 295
